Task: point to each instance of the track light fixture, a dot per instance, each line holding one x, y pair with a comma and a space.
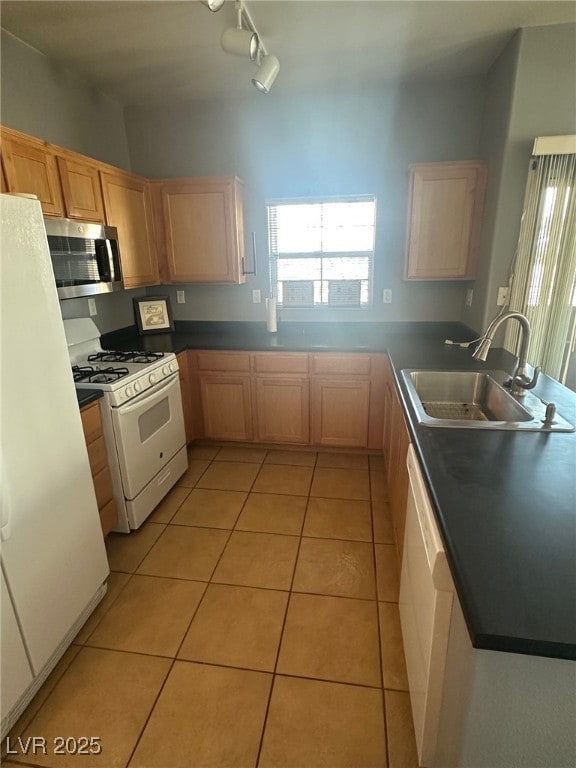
240, 41
214, 5
244, 40
266, 73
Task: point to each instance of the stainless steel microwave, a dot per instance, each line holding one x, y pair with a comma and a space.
85, 257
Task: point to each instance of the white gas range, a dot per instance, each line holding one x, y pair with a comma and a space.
142, 418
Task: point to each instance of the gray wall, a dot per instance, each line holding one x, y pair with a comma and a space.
328, 143
530, 92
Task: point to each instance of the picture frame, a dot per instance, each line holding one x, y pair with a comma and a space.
153, 314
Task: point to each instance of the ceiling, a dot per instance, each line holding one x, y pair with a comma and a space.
159, 51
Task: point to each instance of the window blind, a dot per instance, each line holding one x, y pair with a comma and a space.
544, 281
322, 251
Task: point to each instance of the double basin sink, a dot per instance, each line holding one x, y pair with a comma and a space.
475, 400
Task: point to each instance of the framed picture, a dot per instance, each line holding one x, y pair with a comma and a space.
153, 314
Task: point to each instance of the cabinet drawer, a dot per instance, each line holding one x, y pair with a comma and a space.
341, 364
224, 361
280, 362
97, 455
91, 422
108, 517
103, 487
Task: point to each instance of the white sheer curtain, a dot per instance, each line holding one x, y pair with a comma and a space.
544, 272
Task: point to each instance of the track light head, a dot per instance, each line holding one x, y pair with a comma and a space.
214, 5
266, 73
240, 42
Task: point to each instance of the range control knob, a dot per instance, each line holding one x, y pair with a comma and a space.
152, 378
129, 391
166, 370
173, 366
137, 386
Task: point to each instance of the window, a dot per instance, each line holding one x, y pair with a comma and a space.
322, 251
544, 282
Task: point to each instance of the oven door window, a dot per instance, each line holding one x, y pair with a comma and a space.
149, 431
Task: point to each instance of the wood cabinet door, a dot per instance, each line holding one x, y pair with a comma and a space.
128, 207
444, 215
227, 406
340, 410
282, 409
185, 390
203, 230
31, 168
82, 190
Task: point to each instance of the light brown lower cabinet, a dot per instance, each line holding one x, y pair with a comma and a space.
395, 442
98, 458
331, 399
340, 412
282, 409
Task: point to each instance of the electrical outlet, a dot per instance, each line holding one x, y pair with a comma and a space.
92, 307
469, 297
180, 297
387, 296
256, 296
502, 297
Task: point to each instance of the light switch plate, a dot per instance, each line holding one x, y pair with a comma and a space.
502, 297
92, 307
387, 296
256, 296
469, 297
180, 297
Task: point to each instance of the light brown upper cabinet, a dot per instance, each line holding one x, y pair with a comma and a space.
81, 187
128, 207
30, 167
204, 229
445, 205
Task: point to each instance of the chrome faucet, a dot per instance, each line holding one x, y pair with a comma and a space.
519, 381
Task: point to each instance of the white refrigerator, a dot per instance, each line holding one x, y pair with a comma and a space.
52, 553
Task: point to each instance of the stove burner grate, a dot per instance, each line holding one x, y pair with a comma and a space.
89, 374
125, 357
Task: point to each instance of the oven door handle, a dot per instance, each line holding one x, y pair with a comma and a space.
150, 397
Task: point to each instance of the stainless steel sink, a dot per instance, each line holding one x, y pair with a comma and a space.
475, 400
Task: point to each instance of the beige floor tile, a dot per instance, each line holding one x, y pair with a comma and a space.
185, 553
103, 693
258, 560
323, 725
116, 583
44, 691
331, 638
338, 568
272, 513
393, 661
378, 487
387, 573
150, 616
229, 476
250, 455
237, 627
341, 484
202, 452
196, 469
126, 551
205, 716
376, 462
338, 519
342, 460
294, 458
400, 730
274, 478
382, 523
210, 509
169, 505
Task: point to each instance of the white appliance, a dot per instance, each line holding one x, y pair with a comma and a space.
52, 553
426, 598
141, 415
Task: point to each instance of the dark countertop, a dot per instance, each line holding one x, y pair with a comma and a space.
87, 396
505, 502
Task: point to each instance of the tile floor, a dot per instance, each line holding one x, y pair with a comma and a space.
252, 621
